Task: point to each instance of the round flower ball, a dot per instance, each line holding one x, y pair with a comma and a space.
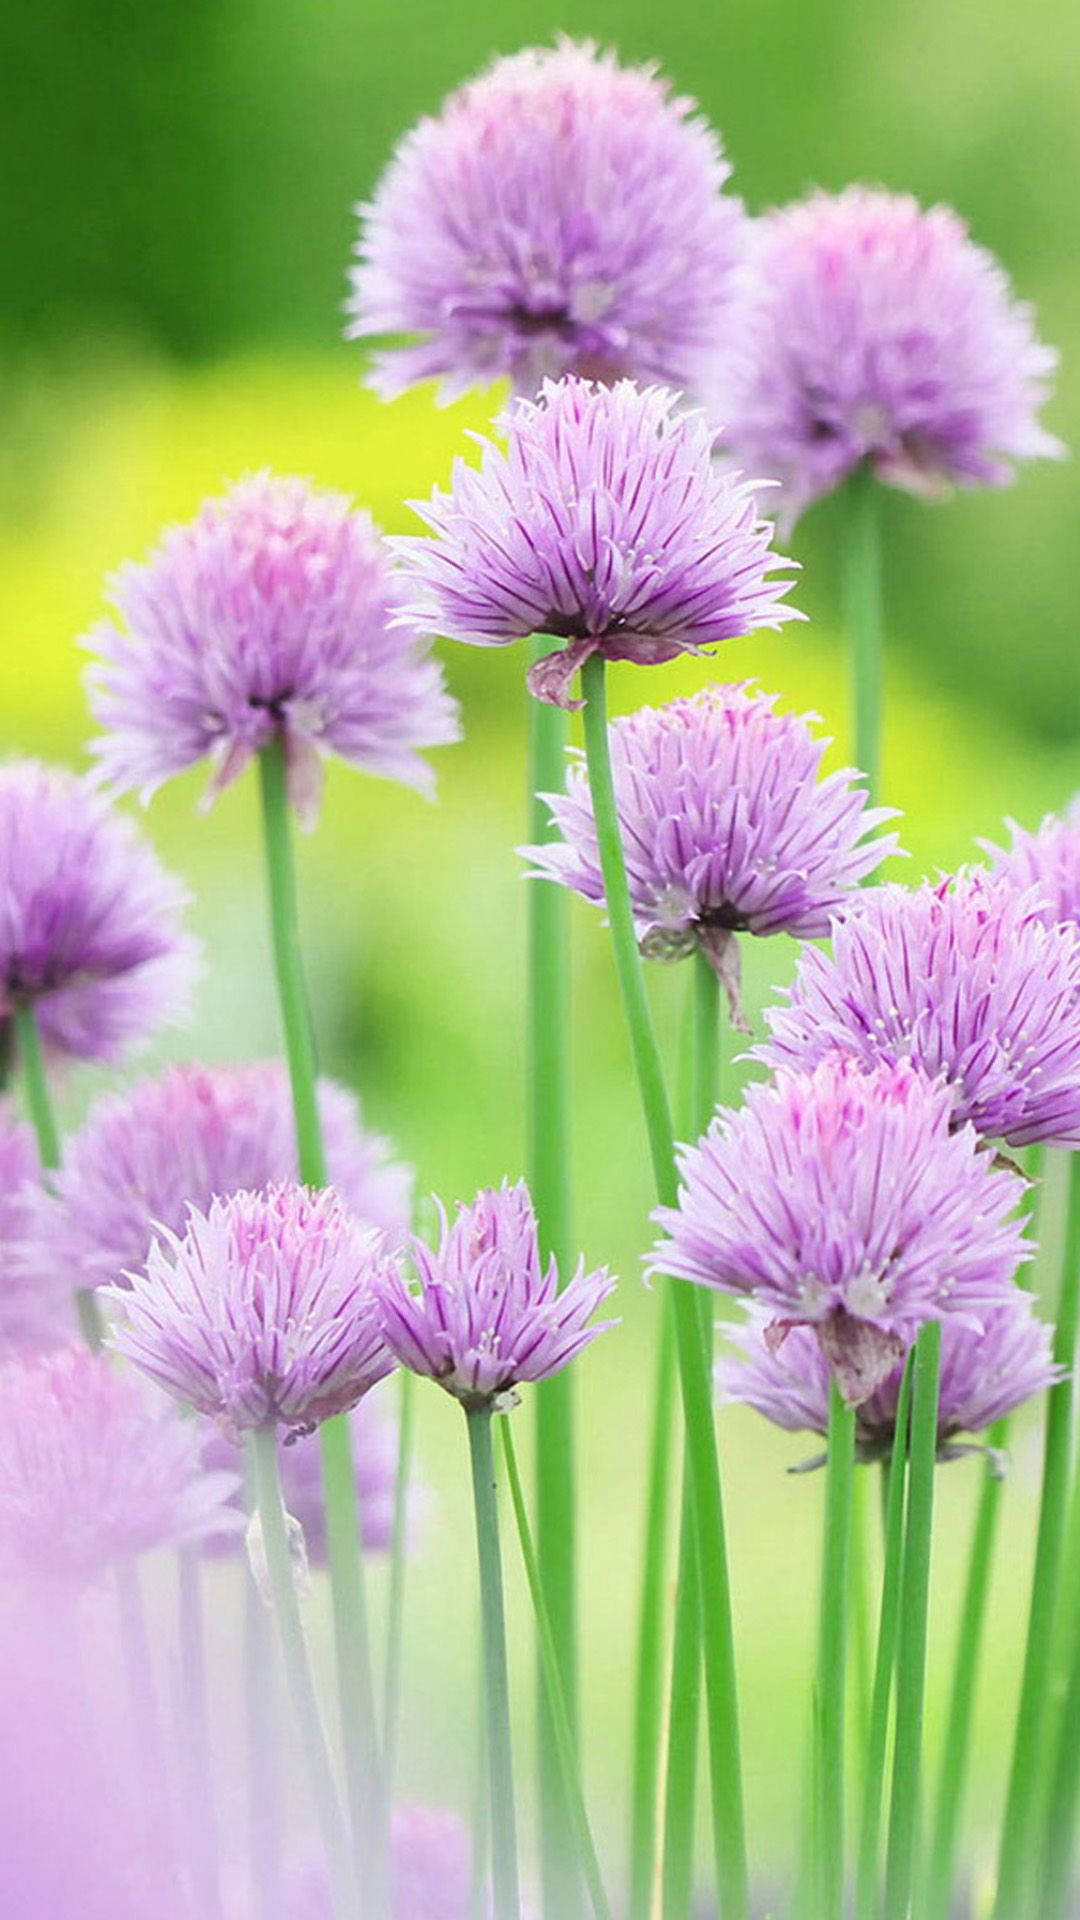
847, 1202
603, 522
274, 615
1046, 863
91, 924
561, 214
871, 329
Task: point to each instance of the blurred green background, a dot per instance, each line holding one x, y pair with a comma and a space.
174, 237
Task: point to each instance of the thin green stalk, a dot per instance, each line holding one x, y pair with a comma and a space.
952, 1778
569, 1765
863, 619
893, 1484
1027, 1756
901, 1863
548, 1162
262, 1453
296, 1022
202, 1837
398, 1557
506, 1898
861, 1658
39, 1106
832, 1654
265, 1810
649, 1666
726, 1767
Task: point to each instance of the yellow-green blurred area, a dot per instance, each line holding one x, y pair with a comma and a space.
174, 236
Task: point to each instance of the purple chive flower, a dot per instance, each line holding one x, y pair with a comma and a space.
264, 1313
868, 328
563, 214
488, 1315
192, 1134
1046, 862
90, 922
605, 523
430, 1871
846, 1201
986, 1372
726, 826
276, 613
94, 1468
962, 976
35, 1310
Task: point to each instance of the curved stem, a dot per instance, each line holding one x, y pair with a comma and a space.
862, 602
885, 1660
832, 1652
726, 1766
396, 1599
504, 1865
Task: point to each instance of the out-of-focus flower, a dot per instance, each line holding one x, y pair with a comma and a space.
964, 977
263, 1314
193, 1134
35, 1307
1046, 863
562, 214
90, 922
96, 1468
726, 826
430, 1871
868, 328
605, 523
275, 614
847, 1201
986, 1372
488, 1315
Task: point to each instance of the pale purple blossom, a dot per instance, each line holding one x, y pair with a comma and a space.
868, 328
91, 933
182, 1139
95, 1467
35, 1307
275, 614
562, 214
1046, 862
488, 1315
602, 522
987, 1371
727, 826
964, 977
846, 1201
263, 1314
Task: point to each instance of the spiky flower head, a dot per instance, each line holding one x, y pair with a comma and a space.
1046, 862
274, 614
488, 1315
144, 1156
263, 1314
95, 1467
964, 977
603, 522
987, 1371
726, 826
91, 931
562, 214
871, 329
35, 1308
846, 1201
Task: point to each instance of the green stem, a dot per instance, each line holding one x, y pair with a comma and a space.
726, 1767
262, 1445
862, 602
832, 1656
296, 1022
398, 1559
506, 1901
1027, 1756
860, 1614
202, 1839
648, 1669
548, 1162
569, 1765
952, 1778
265, 1813
901, 1858
39, 1106
893, 1482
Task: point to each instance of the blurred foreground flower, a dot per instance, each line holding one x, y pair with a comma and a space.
430, 1871
275, 614
35, 1308
846, 1201
562, 214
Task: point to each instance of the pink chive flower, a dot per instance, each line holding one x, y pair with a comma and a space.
263, 1314
488, 1315
35, 1308
964, 977
276, 613
95, 1469
144, 1156
604, 523
868, 328
430, 1871
562, 214
846, 1201
1046, 862
986, 1372
91, 929
726, 825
